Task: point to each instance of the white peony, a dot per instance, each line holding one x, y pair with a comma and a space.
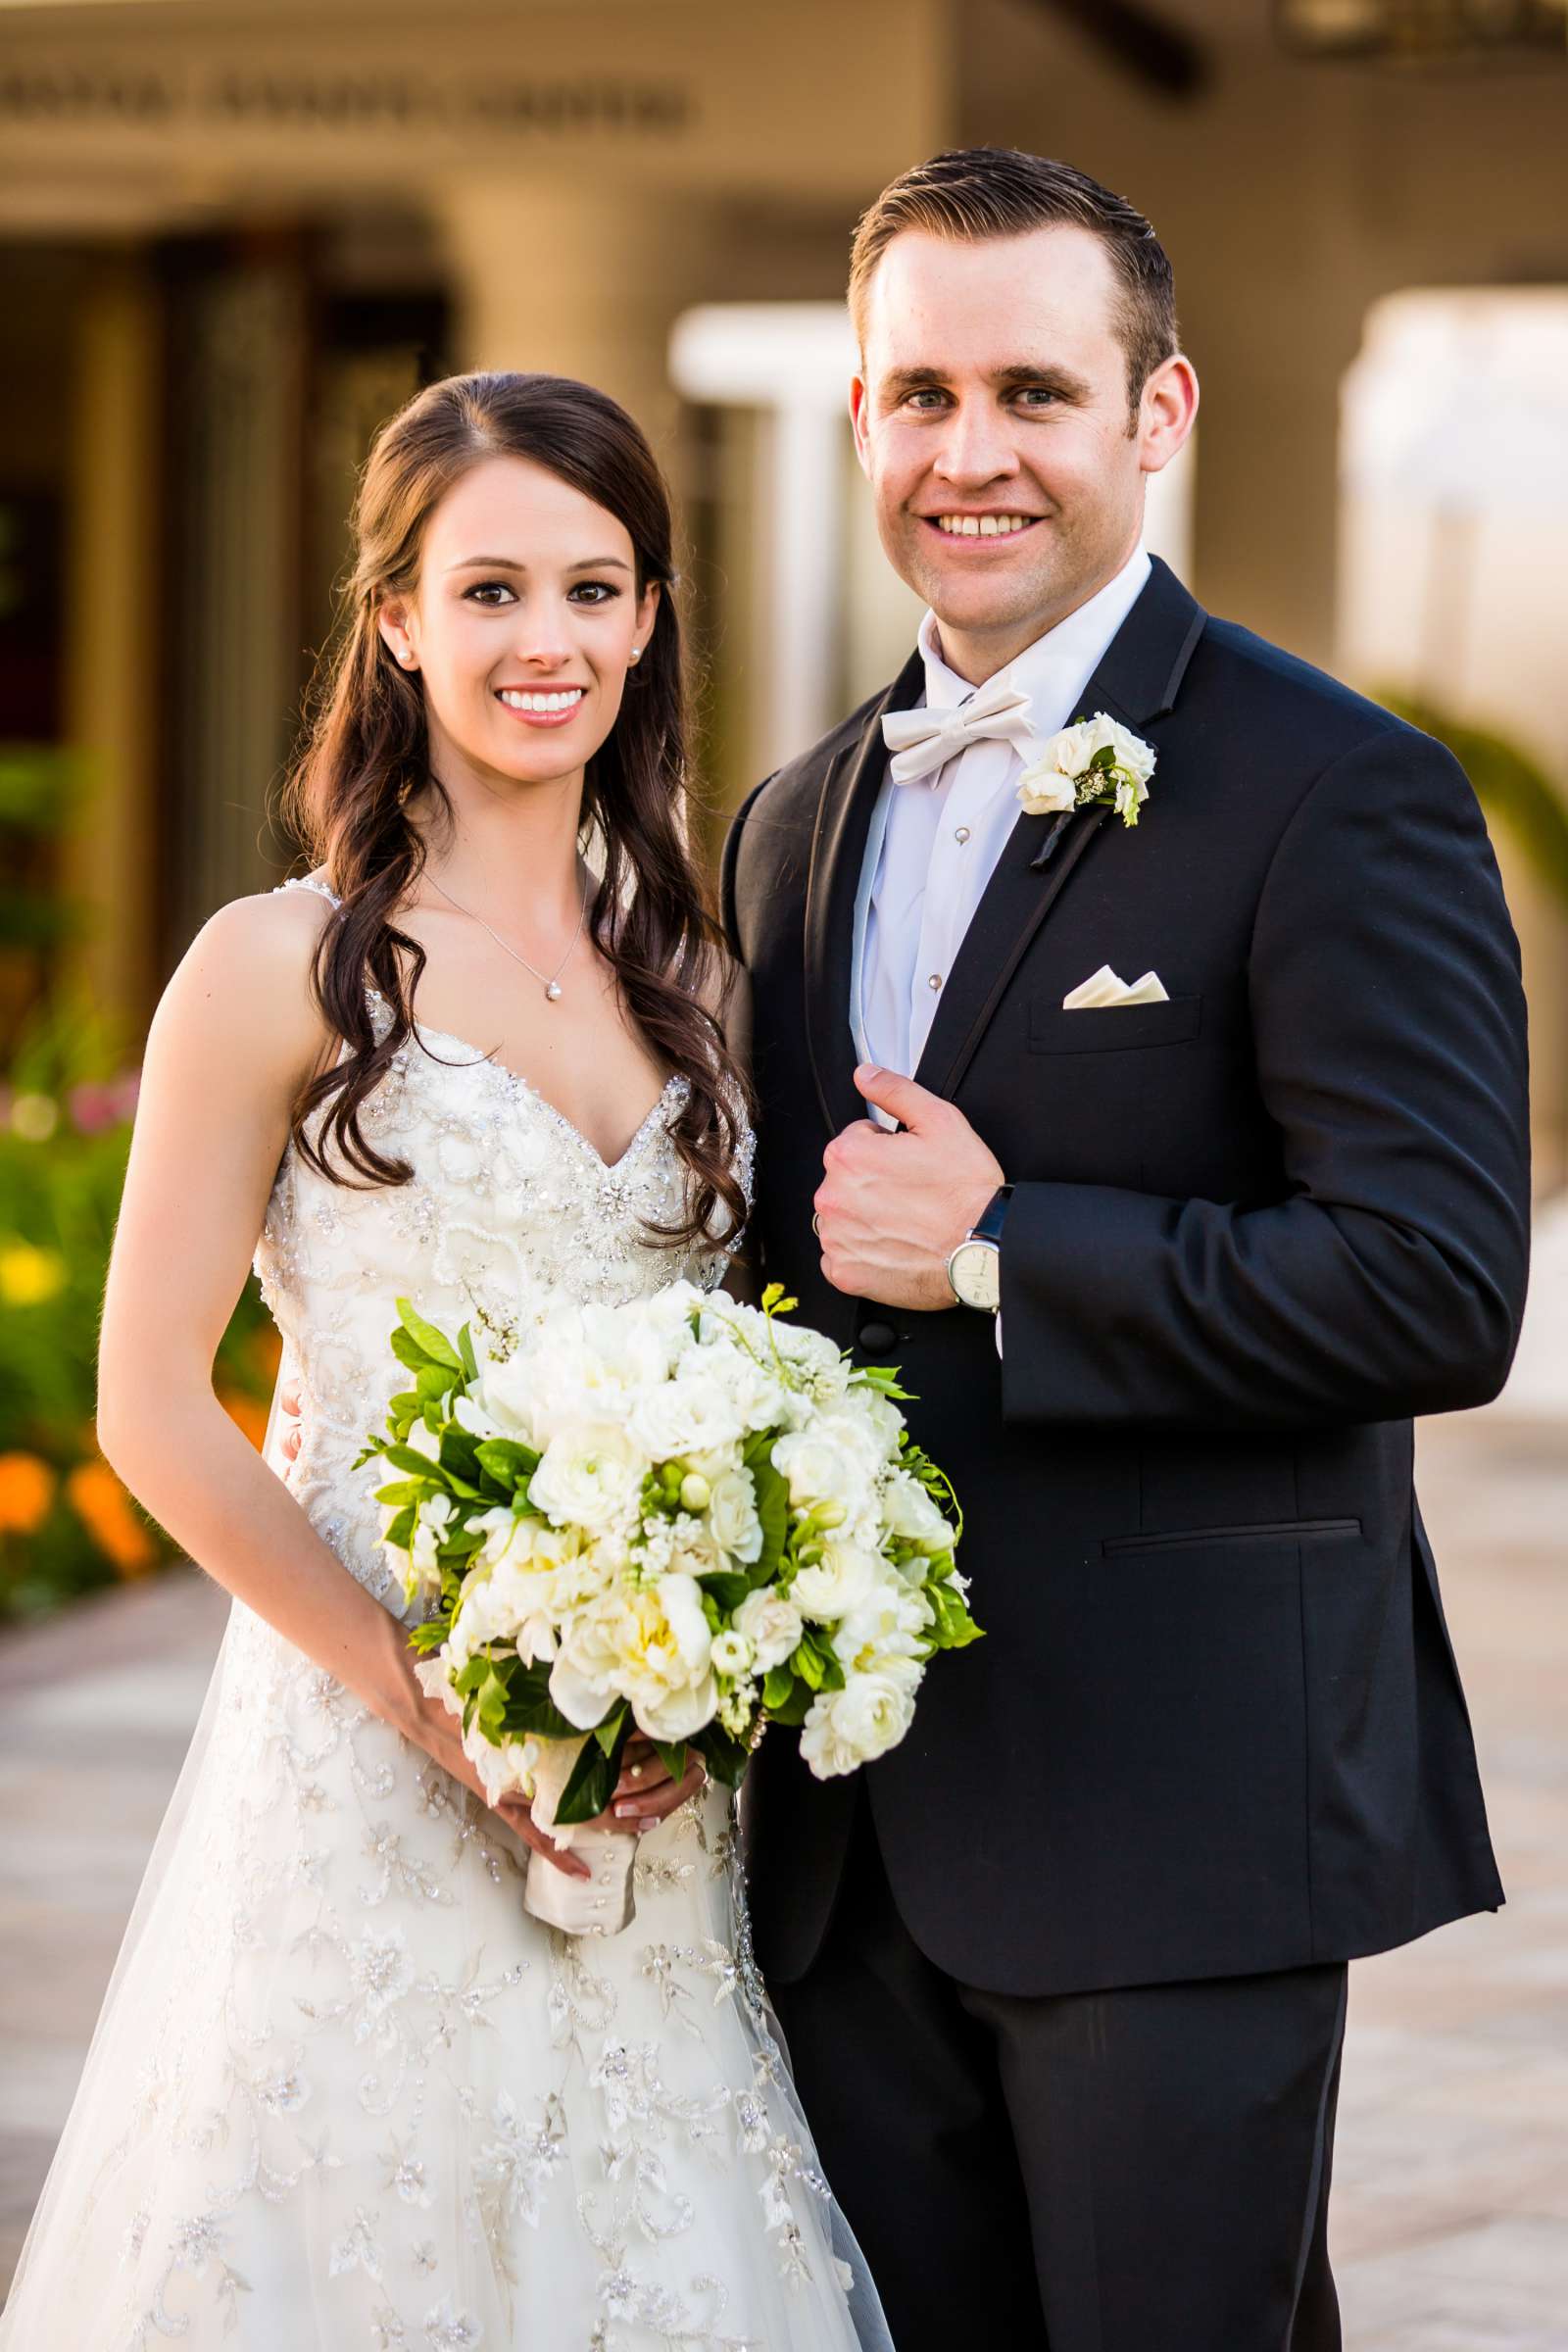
846, 1729
589, 1477
883, 1634
732, 1516
649, 1646
831, 1587
773, 1624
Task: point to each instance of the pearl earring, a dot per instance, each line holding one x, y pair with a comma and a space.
636, 654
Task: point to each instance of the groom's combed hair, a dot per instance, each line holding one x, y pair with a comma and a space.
971, 194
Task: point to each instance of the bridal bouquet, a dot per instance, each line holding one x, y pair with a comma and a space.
682, 1517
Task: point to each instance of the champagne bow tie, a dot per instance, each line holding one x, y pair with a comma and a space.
923, 741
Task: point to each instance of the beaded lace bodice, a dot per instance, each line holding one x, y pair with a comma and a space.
508, 1201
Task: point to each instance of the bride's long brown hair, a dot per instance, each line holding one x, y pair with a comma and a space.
367, 752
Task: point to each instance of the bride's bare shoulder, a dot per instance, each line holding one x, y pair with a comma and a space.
247, 973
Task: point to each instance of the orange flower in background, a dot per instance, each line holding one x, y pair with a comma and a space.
267, 1351
104, 1509
27, 1490
246, 1413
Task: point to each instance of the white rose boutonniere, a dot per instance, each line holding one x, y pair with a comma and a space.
1094, 760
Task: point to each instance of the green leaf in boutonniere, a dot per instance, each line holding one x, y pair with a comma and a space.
1096, 762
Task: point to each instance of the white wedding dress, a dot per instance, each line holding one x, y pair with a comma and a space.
345, 2093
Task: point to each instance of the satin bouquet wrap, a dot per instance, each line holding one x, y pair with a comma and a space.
682, 1517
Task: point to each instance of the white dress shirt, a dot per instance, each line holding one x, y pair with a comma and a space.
934, 843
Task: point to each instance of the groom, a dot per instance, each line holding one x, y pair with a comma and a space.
1063, 1975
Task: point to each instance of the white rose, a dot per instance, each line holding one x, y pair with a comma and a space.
1072, 748
820, 1469
732, 1654
1129, 750
772, 1624
909, 1512
884, 1417
732, 1516
847, 1728
690, 1413
589, 1477
1043, 789
836, 1585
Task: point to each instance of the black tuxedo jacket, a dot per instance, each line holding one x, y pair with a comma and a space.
1217, 1725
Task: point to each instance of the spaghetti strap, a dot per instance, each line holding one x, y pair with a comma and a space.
309, 882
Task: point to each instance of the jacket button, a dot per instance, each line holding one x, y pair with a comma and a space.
876, 1337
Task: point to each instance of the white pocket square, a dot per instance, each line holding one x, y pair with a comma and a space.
1104, 987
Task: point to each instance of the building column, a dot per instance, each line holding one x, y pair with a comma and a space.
113, 651
554, 277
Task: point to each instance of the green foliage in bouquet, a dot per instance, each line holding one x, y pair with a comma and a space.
450, 1479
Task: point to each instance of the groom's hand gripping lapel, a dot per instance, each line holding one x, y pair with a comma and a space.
892, 1208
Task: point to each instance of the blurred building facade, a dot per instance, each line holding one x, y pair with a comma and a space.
233, 237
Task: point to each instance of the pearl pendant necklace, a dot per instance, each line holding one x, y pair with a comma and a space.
549, 981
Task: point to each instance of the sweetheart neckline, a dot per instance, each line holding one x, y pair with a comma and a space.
515, 1079
503, 1069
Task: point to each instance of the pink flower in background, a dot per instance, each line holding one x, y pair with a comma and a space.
95, 1107
92, 1108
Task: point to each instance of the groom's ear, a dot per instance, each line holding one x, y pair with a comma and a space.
859, 418
1167, 413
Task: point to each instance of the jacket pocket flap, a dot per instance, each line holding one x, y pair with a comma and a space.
1112, 1028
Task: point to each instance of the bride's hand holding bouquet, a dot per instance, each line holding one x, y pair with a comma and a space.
681, 1518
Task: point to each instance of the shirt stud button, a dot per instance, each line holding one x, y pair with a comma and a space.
935, 980
961, 835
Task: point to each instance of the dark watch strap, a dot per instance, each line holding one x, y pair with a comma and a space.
994, 1217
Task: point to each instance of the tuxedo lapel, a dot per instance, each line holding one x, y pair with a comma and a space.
849, 789
1136, 682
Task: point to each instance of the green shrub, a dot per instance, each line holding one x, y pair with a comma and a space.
65, 1523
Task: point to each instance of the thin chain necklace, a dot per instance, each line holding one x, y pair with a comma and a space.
549, 982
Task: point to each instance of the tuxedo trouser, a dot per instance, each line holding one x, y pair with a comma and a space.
1145, 2170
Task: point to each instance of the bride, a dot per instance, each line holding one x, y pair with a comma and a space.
344, 2090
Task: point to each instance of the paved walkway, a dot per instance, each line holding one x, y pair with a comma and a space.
1450, 2214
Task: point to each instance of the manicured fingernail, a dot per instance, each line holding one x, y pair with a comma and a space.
626, 1812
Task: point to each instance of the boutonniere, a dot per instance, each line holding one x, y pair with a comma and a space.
1094, 760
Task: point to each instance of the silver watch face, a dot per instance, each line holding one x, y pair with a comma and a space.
975, 1272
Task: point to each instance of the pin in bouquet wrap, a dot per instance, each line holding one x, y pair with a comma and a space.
681, 1516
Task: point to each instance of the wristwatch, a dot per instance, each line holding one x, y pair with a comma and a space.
975, 1268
